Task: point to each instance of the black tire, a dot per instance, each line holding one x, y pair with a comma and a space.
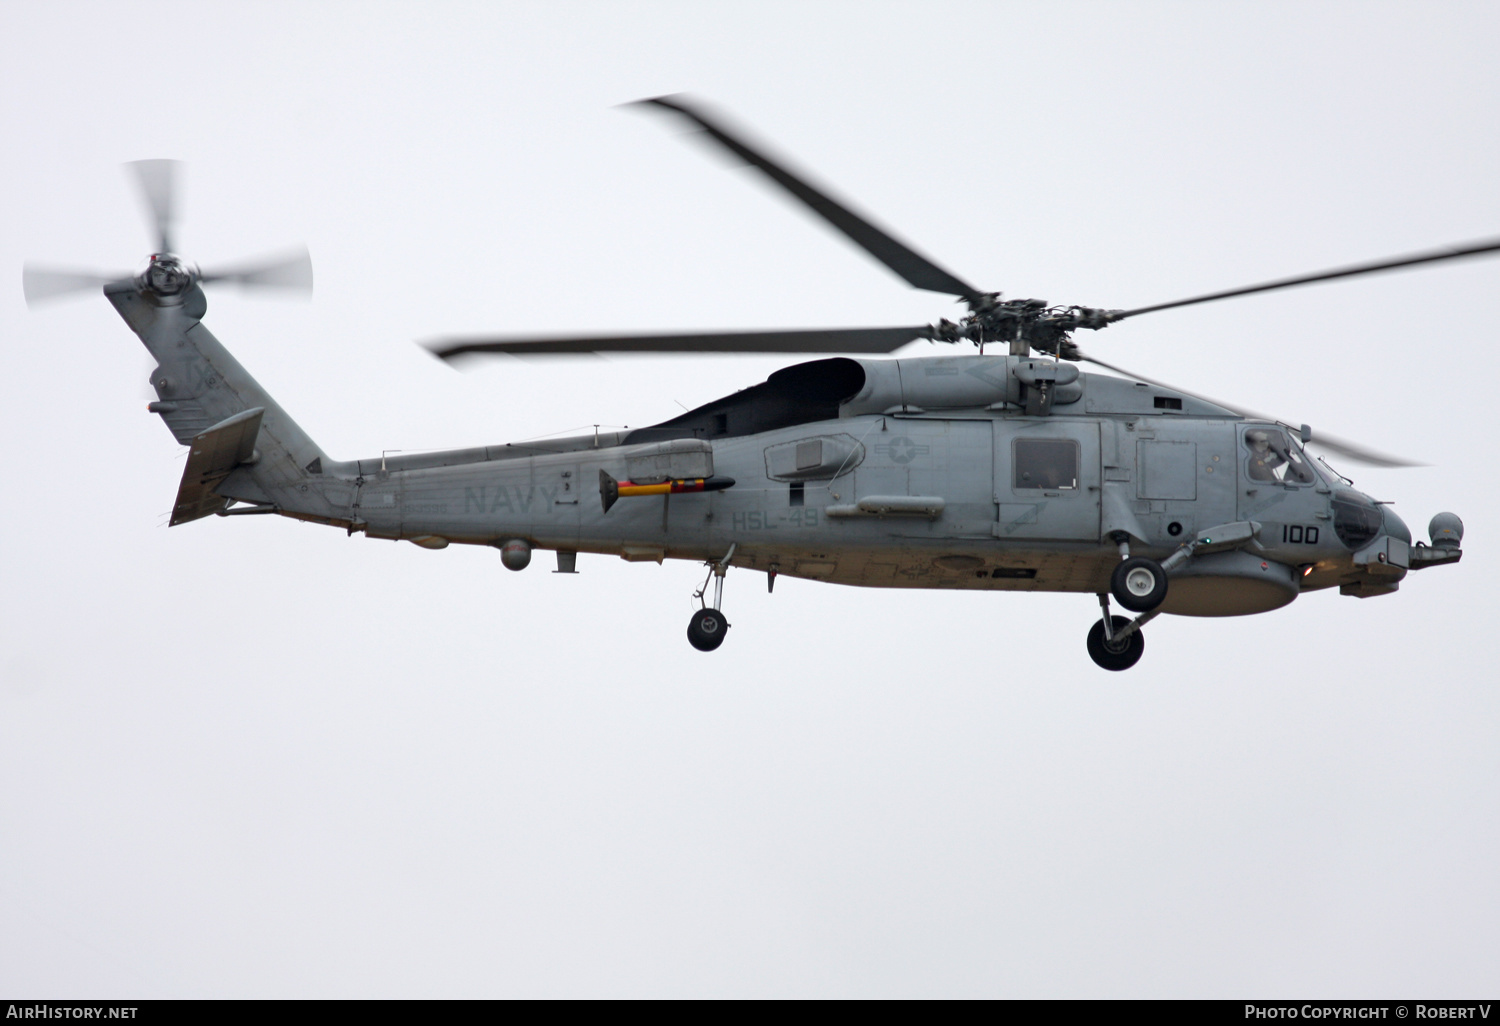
1116, 655
1139, 584
706, 630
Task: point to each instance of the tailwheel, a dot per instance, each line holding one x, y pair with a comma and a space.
706, 630
1119, 654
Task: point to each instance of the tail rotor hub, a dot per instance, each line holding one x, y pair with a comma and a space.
167, 276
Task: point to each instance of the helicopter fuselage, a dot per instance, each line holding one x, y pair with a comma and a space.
981, 472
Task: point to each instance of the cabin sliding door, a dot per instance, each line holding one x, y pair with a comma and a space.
1047, 479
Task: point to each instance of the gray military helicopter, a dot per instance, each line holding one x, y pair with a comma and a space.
1005, 470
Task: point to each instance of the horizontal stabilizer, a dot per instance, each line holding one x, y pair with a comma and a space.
211, 456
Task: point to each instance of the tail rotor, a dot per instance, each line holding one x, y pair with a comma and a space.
168, 275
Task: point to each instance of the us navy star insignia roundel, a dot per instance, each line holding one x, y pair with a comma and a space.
902, 450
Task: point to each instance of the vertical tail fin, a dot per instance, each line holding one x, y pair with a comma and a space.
200, 385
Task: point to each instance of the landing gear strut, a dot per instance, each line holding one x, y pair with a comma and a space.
708, 626
1116, 643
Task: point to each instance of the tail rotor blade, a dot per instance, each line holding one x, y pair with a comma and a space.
291, 270
40, 284
157, 180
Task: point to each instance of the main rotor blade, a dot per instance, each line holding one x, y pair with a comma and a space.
1358, 453
1238, 411
1475, 249
43, 283
157, 180
918, 270
292, 270
1338, 446
810, 340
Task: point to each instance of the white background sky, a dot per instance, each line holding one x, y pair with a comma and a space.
258, 758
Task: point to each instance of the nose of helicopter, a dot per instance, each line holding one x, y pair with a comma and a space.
1393, 526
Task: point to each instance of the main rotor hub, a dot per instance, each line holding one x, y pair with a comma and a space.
1026, 325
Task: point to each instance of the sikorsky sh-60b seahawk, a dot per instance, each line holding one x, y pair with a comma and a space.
1005, 469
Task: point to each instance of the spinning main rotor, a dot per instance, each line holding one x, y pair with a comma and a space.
1024, 325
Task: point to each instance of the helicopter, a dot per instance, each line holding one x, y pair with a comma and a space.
1007, 468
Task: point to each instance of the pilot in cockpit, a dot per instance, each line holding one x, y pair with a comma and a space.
1272, 459
1264, 460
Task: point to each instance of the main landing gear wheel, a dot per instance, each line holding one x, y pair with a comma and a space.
706, 630
1139, 584
1116, 655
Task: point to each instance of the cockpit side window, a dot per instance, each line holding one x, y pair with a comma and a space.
1274, 460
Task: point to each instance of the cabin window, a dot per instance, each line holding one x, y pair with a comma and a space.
1274, 460
1050, 463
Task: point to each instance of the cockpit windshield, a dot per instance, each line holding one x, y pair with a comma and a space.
1273, 458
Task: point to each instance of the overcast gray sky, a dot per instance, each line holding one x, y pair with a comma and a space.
252, 757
